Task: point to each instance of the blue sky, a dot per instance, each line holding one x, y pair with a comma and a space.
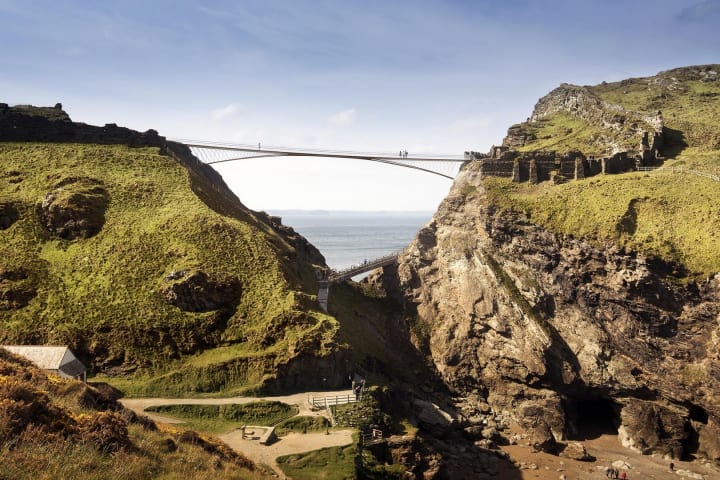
425, 76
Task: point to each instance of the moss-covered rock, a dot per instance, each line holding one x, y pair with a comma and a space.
75, 209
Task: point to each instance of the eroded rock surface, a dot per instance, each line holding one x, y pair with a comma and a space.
8, 215
15, 288
196, 292
558, 334
75, 209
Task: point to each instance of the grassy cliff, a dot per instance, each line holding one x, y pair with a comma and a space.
668, 214
119, 253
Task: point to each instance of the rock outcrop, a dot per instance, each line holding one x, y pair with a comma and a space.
75, 209
559, 334
15, 288
8, 215
195, 292
628, 132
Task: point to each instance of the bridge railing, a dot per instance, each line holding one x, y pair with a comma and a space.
339, 275
322, 151
695, 172
319, 403
682, 170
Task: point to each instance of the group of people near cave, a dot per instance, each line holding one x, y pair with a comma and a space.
612, 472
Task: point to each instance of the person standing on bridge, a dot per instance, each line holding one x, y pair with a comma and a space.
258, 146
405, 153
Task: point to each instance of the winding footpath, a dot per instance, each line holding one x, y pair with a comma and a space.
291, 443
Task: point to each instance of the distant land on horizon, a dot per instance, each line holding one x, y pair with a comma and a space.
280, 212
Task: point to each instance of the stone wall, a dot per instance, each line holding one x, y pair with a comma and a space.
52, 124
543, 166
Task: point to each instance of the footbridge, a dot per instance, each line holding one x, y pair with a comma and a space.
327, 278
446, 166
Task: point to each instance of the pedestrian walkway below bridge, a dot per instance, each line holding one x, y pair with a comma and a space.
327, 278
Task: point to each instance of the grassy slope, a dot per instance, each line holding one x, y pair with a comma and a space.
101, 295
77, 440
562, 132
673, 216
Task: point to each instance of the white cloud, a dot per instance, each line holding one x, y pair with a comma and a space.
470, 123
346, 117
225, 112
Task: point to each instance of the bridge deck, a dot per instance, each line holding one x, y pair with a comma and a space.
308, 152
342, 275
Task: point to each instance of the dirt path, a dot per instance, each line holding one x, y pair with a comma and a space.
138, 405
260, 454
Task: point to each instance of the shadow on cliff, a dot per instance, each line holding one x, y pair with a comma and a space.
371, 324
675, 142
380, 348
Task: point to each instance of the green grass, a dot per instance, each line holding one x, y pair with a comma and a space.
690, 106
562, 132
334, 463
302, 424
224, 418
690, 110
672, 216
102, 296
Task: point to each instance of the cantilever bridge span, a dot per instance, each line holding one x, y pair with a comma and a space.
213, 152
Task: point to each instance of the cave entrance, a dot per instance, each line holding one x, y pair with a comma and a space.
589, 418
691, 443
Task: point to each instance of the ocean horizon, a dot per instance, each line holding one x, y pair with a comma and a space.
348, 237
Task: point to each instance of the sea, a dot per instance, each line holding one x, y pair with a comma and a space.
347, 238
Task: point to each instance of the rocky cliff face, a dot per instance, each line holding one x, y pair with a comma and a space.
618, 129
561, 335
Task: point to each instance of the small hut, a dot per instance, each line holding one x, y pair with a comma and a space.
57, 359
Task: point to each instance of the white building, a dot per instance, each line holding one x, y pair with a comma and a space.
57, 359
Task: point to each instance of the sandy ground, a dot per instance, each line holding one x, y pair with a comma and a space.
251, 447
607, 450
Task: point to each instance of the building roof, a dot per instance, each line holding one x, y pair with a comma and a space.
49, 357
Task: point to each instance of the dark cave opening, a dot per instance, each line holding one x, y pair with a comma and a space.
588, 418
691, 443
698, 414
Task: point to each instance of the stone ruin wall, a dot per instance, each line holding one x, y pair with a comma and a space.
16, 125
545, 166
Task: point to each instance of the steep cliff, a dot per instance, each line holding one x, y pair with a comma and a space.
576, 308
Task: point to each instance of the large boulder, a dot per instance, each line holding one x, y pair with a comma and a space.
709, 442
544, 420
651, 428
